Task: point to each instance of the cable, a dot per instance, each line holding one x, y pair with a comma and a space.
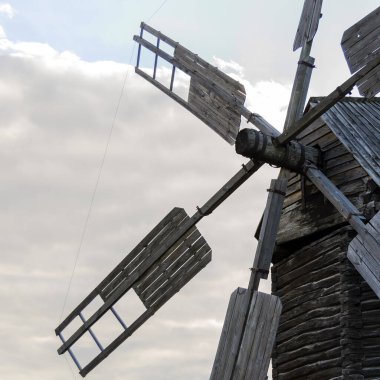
157, 10
84, 230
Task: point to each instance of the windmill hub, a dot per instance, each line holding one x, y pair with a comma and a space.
293, 156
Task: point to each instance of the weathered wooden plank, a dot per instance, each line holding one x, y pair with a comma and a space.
365, 260
308, 24
195, 63
258, 339
360, 44
361, 33
132, 255
149, 248
192, 266
174, 259
231, 335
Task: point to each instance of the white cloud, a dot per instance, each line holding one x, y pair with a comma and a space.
7, 9
57, 111
2, 33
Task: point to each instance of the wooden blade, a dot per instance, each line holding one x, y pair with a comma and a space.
308, 25
327, 102
368, 242
360, 43
365, 260
157, 268
213, 97
248, 336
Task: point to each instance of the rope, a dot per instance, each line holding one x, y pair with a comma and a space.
84, 230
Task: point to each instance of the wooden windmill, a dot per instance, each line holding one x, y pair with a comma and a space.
175, 251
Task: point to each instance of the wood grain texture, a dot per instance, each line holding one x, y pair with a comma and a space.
363, 256
360, 44
308, 24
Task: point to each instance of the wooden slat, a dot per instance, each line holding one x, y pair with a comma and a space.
197, 64
179, 268
259, 336
364, 258
168, 259
153, 245
308, 24
130, 281
230, 338
181, 278
360, 44
357, 41
119, 268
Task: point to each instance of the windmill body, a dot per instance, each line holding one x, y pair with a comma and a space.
320, 227
330, 319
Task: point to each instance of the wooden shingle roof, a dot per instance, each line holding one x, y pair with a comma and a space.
356, 123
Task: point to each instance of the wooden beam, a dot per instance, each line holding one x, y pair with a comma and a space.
268, 232
339, 93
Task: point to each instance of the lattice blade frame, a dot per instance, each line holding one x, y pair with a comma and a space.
157, 268
213, 97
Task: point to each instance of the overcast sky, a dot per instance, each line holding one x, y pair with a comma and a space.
62, 65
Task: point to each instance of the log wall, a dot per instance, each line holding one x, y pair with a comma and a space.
307, 212
330, 323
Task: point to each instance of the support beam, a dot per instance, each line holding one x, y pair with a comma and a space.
339, 93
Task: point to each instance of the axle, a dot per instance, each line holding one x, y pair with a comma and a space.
293, 156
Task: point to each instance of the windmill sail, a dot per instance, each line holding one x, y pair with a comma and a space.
213, 96
157, 268
311, 13
362, 256
361, 44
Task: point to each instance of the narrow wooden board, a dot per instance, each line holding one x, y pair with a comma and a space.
158, 267
245, 355
308, 25
360, 44
362, 256
259, 337
228, 347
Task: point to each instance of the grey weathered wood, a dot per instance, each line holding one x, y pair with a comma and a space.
268, 233
161, 226
129, 282
308, 24
258, 146
219, 88
258, 338
230, 338
366, 261
299, 90
361, 40
327, 103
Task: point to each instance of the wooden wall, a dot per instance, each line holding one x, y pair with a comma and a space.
317, 215
330, 323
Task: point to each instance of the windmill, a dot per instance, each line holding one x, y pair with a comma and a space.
175, 251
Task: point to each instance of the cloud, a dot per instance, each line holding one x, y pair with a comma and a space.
7, 9
57, 114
